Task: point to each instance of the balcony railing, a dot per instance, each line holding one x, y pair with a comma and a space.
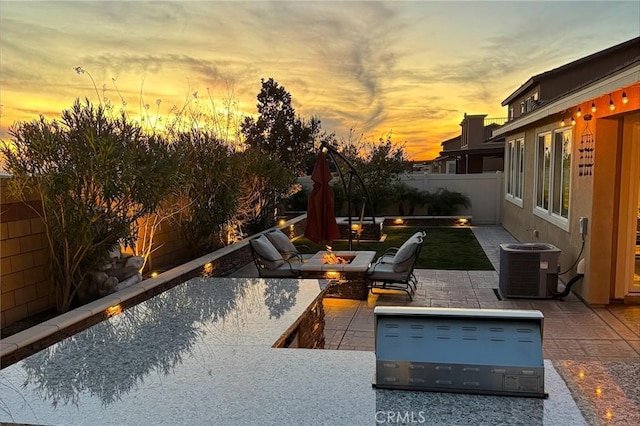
500, 121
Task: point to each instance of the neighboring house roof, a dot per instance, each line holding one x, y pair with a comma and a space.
579, 62
454, 139
473, 151
626, 75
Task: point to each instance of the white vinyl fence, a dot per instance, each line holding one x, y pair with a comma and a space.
483, 189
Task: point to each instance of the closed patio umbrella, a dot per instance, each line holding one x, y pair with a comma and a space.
321, 219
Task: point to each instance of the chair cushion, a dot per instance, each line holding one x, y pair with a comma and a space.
404, 258
385, 273
282, 243
269, 255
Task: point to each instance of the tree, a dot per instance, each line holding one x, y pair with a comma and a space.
211, 189
278, 133
95, 177
379, 165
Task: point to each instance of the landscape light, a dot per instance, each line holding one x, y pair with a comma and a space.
114, 310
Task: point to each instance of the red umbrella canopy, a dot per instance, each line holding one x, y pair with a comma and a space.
321, 219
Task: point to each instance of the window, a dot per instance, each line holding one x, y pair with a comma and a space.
451, 167
553, 175
515, 171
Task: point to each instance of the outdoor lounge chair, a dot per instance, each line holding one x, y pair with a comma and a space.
389, 254
283, 244
269, 261
394, 270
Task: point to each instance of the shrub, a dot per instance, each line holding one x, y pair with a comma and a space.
95, 176
445, 203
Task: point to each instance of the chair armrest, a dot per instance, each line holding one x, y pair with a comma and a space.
390, 250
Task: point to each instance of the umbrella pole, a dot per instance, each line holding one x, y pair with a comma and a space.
349, 212
352, 172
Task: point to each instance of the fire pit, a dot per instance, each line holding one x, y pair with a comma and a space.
330, 258
346, 269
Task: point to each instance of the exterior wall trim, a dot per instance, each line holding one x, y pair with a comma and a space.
610, 84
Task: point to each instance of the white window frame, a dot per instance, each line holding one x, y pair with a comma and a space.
514, 188
557, 179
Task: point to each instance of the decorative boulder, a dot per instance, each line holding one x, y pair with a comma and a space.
122, 273
134, 262
135, 279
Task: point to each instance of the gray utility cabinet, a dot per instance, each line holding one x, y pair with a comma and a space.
479, 351
529, 270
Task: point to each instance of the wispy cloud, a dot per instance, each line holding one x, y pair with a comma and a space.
413, 68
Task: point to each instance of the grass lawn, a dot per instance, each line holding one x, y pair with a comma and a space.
444, 248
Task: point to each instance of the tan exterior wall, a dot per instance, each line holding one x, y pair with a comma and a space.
596, 197
25, 281
528, 227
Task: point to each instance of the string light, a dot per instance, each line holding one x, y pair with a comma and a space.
593, 107
579, 112
624, 98
573, 121
611, 105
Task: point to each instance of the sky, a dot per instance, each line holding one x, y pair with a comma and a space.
410, 69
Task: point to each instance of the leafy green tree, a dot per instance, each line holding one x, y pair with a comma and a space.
210, 192
95, 177
278, 144
278, 133
265, 183
379, 165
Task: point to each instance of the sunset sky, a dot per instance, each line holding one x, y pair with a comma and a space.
412, 68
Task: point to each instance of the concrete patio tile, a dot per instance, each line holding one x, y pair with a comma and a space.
626, 332
605, 348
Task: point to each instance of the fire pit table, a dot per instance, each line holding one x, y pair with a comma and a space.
349, 279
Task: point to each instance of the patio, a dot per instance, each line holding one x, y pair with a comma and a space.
596, 350
202, 353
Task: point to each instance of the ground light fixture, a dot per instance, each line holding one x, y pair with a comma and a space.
114, 310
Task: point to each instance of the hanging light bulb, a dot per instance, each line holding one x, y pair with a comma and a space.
573, 121
611, 105
562, 122
624, 98
579, 112
593, 107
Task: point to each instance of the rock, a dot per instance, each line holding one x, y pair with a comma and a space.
134, 261
97, 277
122, 273
114, 253
89, 290
108, 286
129, 282
106, 266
